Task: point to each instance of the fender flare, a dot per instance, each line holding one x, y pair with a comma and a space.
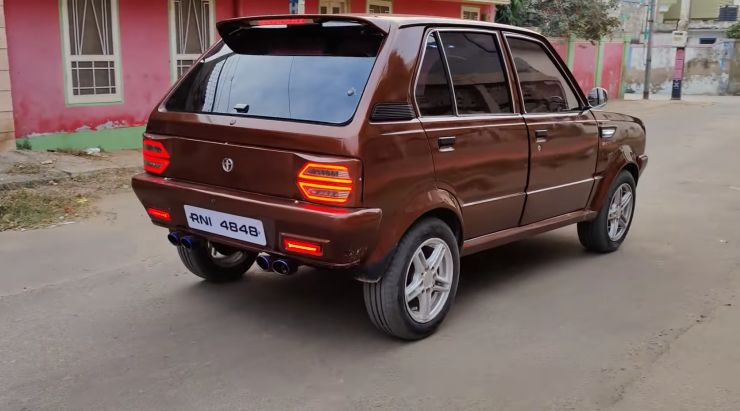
434, 201
626, 159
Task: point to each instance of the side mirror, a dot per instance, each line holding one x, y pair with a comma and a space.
598, 97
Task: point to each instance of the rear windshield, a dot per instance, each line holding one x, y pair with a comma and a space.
308, 72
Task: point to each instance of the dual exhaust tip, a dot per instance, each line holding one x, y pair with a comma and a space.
282, 266
266, 262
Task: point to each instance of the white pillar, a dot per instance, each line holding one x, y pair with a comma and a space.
685, 18
7, 128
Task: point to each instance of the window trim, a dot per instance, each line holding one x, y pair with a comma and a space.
505, 66
90, 100
567, 75
381, 3
475, 9
172, 37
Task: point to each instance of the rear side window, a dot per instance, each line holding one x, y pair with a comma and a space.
477, 73
432, 88
544, 88
308, 72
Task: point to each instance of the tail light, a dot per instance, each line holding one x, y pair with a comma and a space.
158, 214
156, 157
302, 247
326, 183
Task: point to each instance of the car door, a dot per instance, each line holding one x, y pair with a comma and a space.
479, 143
563, 132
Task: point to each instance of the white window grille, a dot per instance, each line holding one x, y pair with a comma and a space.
192, 31
380, 6
470, 13
91, 50
333, 7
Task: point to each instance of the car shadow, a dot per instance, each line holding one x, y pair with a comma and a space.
318, 304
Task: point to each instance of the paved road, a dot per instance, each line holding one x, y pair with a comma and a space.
101, 315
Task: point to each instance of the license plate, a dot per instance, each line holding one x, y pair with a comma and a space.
227, 225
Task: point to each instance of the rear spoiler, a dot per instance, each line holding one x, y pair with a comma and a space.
228, 28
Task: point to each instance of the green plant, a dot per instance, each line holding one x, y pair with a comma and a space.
23, 144
514, 13
587, 19
733, 31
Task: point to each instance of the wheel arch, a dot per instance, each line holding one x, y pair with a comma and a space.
602, 189
436, 203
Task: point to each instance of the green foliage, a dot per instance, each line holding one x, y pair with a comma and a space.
733, 31
514, 13
23, 144
587, 19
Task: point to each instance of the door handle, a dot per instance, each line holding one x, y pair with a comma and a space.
446, 143
540, 136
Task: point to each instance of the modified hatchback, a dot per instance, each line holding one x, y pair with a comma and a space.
384, 146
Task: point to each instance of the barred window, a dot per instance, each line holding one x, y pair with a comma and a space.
91, 49
191, 32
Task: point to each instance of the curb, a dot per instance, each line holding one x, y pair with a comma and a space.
64, 175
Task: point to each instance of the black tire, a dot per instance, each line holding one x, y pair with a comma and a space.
386, 300
594, 234
228, 267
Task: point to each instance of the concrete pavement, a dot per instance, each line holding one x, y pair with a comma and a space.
102, 316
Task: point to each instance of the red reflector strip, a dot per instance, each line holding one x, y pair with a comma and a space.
159, 214
302, 247
280, 22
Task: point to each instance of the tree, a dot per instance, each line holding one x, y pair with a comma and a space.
588, 19
733, 31
514, 13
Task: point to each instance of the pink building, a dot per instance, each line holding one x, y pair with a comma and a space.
88, 72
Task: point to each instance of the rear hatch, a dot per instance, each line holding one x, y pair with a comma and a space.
272, 96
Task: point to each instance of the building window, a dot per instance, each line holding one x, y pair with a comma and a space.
332, 7
192, 31
91, 51
470, 13
380, 6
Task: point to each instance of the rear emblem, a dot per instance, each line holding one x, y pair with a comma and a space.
227, 164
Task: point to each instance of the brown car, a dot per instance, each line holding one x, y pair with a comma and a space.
386, 146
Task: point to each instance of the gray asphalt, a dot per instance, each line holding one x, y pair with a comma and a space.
101, 315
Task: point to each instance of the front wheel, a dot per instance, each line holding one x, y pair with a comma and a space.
416, 292
607, 231
216, 263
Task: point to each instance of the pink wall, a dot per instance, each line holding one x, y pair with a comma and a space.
611, 74
37, 73
584, 67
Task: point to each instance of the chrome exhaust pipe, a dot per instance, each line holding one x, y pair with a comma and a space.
284, 266
264, 261
174, 238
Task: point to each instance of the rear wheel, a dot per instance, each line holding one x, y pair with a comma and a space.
607, 231
216, 263
416, 292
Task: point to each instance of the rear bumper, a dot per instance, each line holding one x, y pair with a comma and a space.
346, 235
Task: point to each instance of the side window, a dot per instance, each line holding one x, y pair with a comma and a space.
477, 73
432, 89
544, 88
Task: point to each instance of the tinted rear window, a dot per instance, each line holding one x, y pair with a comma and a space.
314, 73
